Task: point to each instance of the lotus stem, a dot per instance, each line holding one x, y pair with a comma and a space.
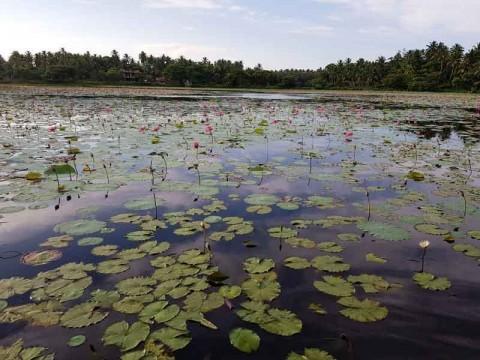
106, 173
423, 258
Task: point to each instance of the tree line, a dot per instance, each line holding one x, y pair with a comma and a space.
435, 68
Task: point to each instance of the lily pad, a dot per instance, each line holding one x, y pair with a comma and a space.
311, 354
431, 282
76, 340
80, 227
362, 310
330, 263
384, 231
334, 285
244, 340
42, 257
255, 265
81, 315
126, 336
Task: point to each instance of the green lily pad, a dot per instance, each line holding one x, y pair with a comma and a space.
244, 340
296, 263
259, 209
330, 246
76, 340
384, 231
311, 354
80, 227
289, 206
467, 249
136, 286
167, 313
261, 199
334, 285
14, 286
317, 309
126, 336
57, 241
230, 292
431, 282
474, 234
362, 310
81, 315
261, 289
255, 265
90, 241
371, 257
370, 283
105, 250
146, 203
330, 263
431, 229
282, 232
282, 322
112, 266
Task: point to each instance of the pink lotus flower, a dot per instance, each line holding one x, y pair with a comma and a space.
142, 129
52, 128
208, 129
348, 135
196, 145
156, 128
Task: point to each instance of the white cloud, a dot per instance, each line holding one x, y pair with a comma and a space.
416, 15
312, 30
183, 4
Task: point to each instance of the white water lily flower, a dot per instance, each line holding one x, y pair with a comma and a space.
424, 244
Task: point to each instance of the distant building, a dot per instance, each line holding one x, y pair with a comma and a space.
132, 74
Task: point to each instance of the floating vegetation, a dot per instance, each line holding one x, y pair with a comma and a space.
36, 258
212, 227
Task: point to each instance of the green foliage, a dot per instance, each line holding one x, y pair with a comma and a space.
431, 282
384, 231
244, 340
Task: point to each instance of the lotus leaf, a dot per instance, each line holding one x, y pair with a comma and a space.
362, 310
36, 258
105, 250
384, 231
244, 340
230, 292
76, 340
330, 246
261, 199
335, 285
112, 266
81, 315
282, 232
311, 354
256, 265
371, 257
90, 241
431, 282
330, 263
14, 286
135, 286
126, 336
80, 227
369, 283
296, 263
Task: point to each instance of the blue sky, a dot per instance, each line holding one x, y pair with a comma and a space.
275, 33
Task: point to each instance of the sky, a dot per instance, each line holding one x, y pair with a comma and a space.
275, 33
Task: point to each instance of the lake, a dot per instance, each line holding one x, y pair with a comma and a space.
144, 223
